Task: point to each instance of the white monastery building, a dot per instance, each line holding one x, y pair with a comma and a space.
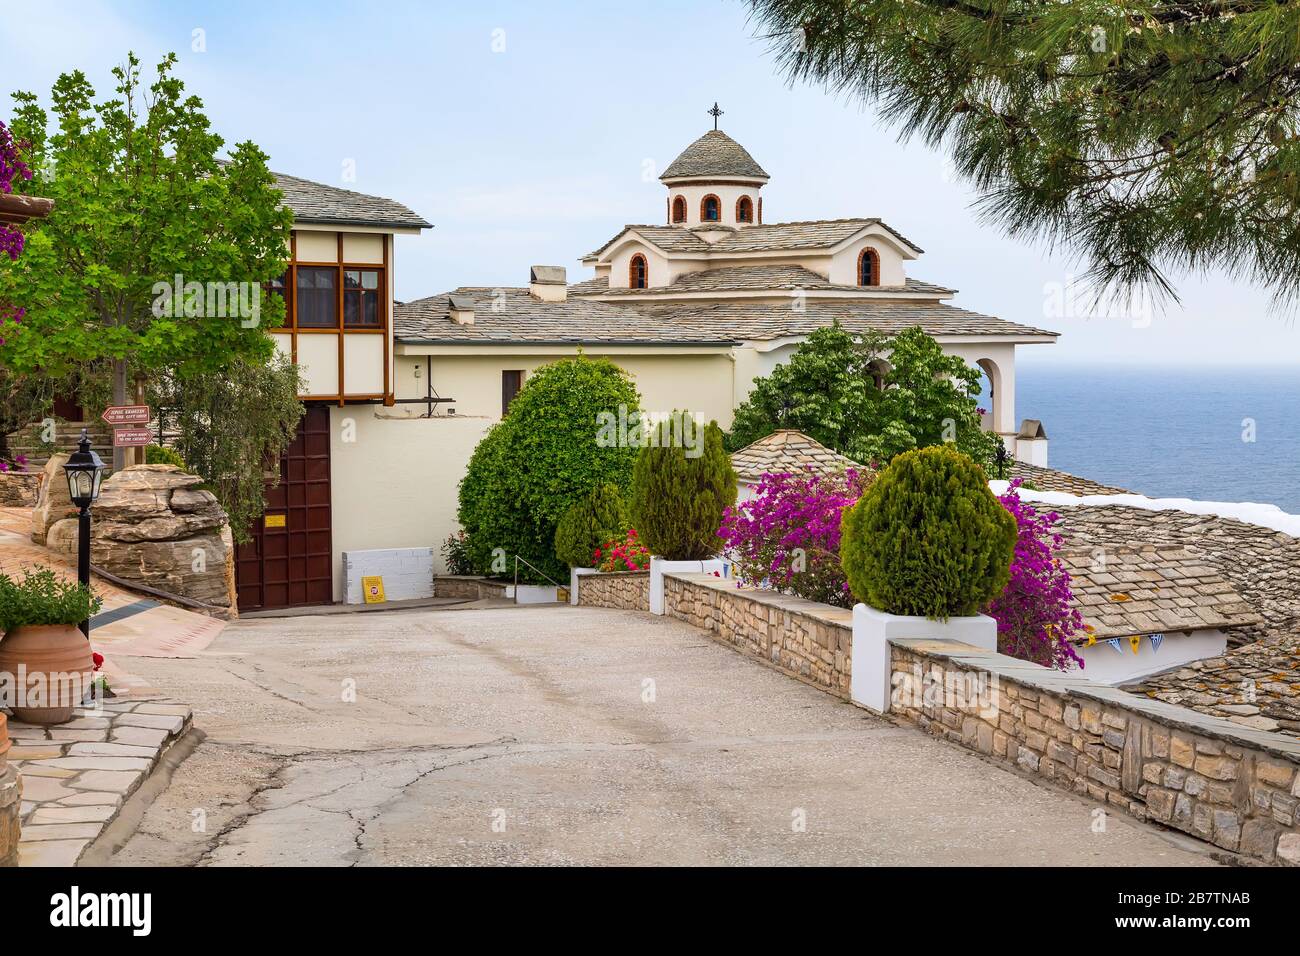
695, 308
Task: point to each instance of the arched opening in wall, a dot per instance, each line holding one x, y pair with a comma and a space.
744, 209
638, 272
679, 209
879, 370
868, 267
710, 209
990, 394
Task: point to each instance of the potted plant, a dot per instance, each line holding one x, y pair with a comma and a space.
586, 526
45, 660
926, 547
682, 484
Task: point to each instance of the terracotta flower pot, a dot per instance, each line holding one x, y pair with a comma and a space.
42, 650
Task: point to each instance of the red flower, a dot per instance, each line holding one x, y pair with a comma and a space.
98, 658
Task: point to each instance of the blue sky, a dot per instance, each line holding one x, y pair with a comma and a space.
537, 153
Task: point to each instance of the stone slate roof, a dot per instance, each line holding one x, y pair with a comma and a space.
715, 154
524, 319
328, 205
1151, 590
1049, 479
778, 277
1256, 683
788, 451
767, 237
758, 321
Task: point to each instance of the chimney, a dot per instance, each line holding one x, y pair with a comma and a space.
461, 309
548, 283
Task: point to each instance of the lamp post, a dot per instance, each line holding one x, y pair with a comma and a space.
84, 471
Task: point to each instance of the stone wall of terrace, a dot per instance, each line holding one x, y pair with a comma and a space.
625, 590
804, 639
1232, 786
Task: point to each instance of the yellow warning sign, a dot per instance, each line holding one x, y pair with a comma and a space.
373, 587
274, 521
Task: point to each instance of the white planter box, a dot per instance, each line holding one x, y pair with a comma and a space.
533, 593
658, 566
869, 681
574, 574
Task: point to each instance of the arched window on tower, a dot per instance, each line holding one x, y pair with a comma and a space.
744, 209
869, 267
679, 209
638, 272
711, 209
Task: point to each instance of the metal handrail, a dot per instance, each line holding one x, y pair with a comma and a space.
537, 569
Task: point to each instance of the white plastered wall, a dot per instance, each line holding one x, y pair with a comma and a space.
728, 195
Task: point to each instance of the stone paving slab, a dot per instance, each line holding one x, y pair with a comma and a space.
76, 776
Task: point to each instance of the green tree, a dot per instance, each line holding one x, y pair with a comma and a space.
1143, 136
928, 537
548, 452
591, 521
233, 423
678, 497
831, 390
140, 198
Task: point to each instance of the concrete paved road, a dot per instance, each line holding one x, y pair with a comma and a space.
564, 735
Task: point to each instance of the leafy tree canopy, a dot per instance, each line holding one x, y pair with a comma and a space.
1142, 136
140, 197
830, 390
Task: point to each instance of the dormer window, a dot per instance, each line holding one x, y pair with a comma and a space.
711, 209
869, 267
744, 209
638, 272
679, 209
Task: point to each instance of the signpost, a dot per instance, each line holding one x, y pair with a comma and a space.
131, 437
127, 415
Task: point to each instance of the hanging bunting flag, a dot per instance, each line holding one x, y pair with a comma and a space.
1156, 641
1135, 641
1115, 645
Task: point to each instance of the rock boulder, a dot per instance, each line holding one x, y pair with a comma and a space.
53, 502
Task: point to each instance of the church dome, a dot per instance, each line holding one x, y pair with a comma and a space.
715, 155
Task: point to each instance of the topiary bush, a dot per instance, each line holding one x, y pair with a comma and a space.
532, 465
678, 499
597, 517
928, 537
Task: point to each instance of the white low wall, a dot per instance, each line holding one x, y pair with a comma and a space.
407, 573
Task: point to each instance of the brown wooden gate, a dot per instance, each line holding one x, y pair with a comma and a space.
288, 562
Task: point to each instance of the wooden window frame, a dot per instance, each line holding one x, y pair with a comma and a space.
519, 384
704, 205
869, 256
740, 205
645, 272
679, 202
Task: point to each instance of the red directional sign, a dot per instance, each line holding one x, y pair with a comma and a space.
131, 437
126, 414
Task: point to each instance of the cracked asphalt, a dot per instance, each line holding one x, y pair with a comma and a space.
558, 735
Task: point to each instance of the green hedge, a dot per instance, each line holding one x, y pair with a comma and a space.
591, 521
540, 459
928, 537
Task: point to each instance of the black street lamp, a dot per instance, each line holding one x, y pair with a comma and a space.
84, 470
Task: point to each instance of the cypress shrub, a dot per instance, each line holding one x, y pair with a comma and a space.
678, 501
591, 521
928, 537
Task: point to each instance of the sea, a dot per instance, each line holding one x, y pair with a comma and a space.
1210, 433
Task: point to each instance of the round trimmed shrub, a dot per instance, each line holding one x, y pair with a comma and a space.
928, 537
678, 499
591, 521
538, 460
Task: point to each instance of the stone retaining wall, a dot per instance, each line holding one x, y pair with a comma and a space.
1232, 786
467, 587
20, 489
805, 639
625, 590
10, 804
